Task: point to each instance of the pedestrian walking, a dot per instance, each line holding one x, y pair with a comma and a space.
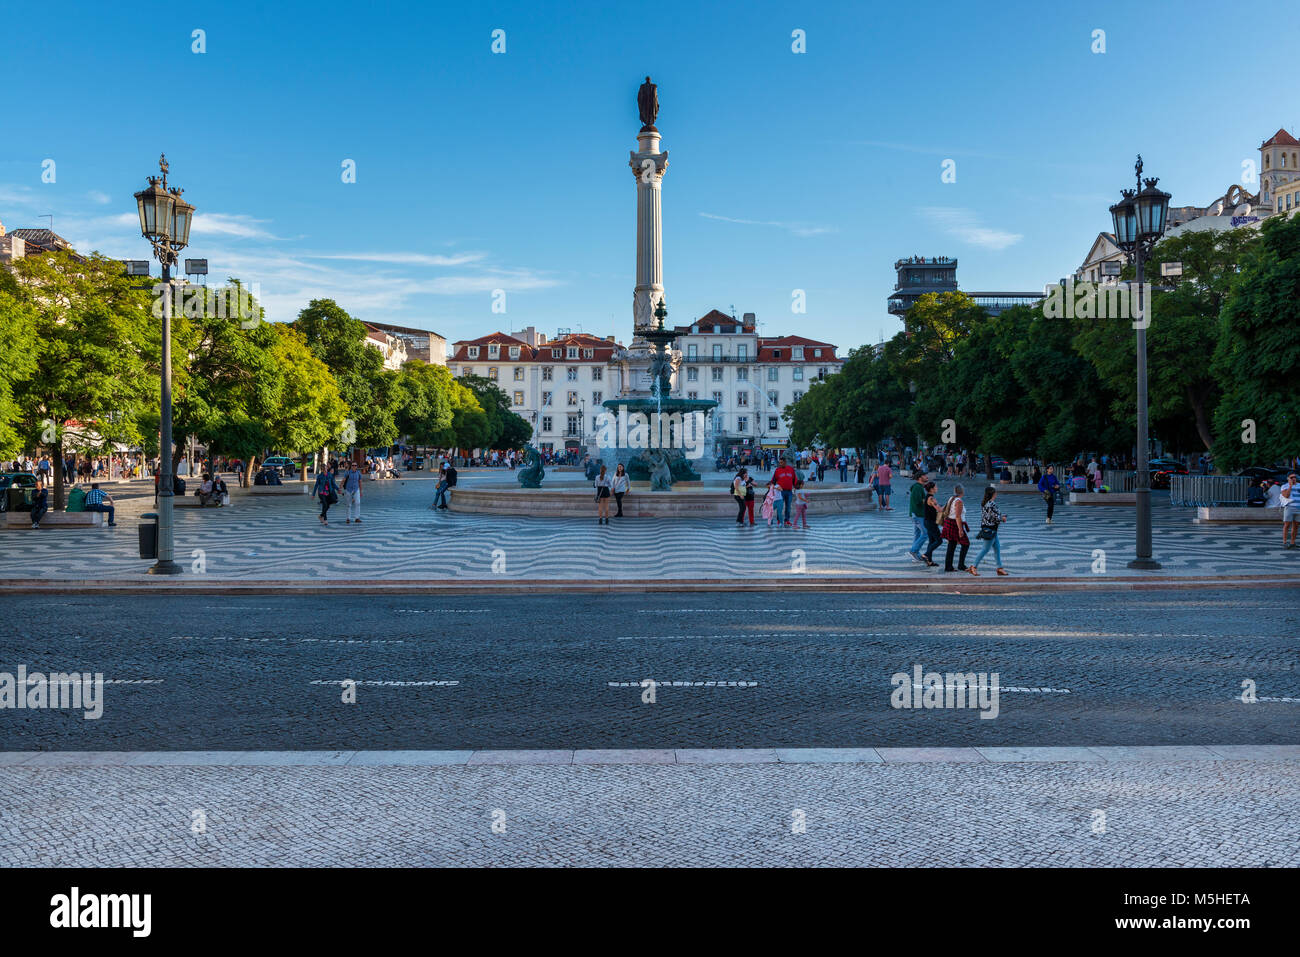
931, 524
738, 490
990, 521
785, 477
955, 529
352, 493
884, 476
1048, 485
326, 492
800, 505
768, 511
619, 486
916, 496
603, 484
1290, 498
862, 470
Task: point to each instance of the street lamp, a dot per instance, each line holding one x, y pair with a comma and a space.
165, 221
1140, 219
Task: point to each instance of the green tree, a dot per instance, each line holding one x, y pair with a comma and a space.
503, 429
424, 401
339, 340
1257, 360
96, 349
18, 319
311, 410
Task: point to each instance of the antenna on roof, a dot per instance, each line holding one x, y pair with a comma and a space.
50, 217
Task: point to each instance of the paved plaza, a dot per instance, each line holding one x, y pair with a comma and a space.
1057, 811
278, 538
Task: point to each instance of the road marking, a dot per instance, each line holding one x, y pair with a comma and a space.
441, 611
1000, 688
1283, 700
902, 633
394, 684
326, 641
108, 681
683, 684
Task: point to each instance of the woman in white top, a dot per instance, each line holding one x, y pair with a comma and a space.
603, 484
619, 487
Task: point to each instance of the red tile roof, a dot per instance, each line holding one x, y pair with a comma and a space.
1280, 138
767, 350
602, 349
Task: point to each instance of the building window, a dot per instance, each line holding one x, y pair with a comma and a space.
817, 353
717, 373
519, 374
776, 355
514, 352
798, 374
692, 395
773, 374
492, 373
573, 424
519, 398
692, 352
453, 370
742, 423
717, 397
742, 352
494, 351
548, 372
589, 353
717, 352
557, 353
597, 373
742, 398
546, 398
473, 352
692, 374
546, 423
571, 374
823, 372
771, 423
742, 375
774, 398
467, 371
797, 395
571, 352
796, 352
596, 397
572, 398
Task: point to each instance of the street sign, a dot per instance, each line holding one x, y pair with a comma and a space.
1171, 269
196, 267
1110, 269
137, 267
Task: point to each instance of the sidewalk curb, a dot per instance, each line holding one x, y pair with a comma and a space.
965, 586
681, 757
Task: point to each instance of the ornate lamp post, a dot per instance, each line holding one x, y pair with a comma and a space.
1139, 223
165, 221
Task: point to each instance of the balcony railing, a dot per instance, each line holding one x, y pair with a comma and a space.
711, 359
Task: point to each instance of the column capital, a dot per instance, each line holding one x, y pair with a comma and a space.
654, 164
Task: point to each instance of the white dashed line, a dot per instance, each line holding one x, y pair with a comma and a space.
394, 684
441, 611
321, 641
684, 684
1002, 688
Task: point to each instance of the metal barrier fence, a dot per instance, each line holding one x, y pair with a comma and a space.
1207, 490
1119, 481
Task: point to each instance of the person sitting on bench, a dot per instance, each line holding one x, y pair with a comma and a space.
97, 500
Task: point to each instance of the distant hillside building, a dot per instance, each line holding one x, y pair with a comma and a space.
918, 275
418, 343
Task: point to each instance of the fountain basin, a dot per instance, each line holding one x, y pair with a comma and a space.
702, 501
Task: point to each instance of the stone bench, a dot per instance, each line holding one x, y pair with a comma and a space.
192, 501
1208, 515
295, 488
1103, 498
57, 519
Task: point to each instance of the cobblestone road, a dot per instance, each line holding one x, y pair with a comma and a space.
1229, 813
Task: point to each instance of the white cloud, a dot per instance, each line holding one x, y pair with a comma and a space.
964, 225
408, 259
224, 224
95, 196
799, 229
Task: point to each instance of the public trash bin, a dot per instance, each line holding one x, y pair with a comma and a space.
76, 500
148, 532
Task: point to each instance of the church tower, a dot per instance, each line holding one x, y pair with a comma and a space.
1279, 164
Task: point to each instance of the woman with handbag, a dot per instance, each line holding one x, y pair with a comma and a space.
603, 485
990, 520
326, 492
619, 486
955, 529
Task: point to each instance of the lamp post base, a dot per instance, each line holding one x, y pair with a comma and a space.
1145, 564
168, 567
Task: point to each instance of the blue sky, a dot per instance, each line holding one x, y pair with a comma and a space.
478, 171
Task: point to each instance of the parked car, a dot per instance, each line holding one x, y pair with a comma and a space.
21, 483
1274, 473
281, 463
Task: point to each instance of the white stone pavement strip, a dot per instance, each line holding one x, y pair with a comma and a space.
894, 755
293, 639
608, 810
378, 683
681, 684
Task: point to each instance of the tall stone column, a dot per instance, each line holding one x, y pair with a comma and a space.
648, 166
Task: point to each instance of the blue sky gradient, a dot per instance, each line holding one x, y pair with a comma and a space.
478, 171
